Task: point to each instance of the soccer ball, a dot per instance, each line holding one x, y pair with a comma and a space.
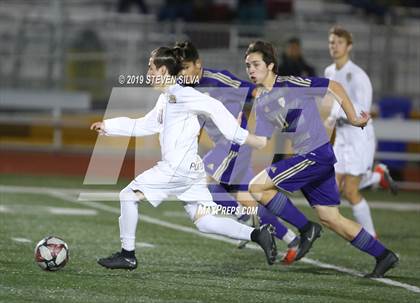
51, 253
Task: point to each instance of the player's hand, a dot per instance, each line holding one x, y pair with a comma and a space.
239, 119
362, 120
98, 127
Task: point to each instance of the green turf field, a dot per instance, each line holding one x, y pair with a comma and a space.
180, 265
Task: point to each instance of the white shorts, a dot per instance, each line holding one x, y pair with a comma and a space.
354, 149
160, 182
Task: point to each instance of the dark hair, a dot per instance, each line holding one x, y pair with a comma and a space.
293, 40
342, 33
187, 50
267, 51
168, 57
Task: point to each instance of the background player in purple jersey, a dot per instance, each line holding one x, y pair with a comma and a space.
227, 163
287, 103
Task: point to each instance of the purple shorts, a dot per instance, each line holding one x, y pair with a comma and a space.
230, 168
316, 180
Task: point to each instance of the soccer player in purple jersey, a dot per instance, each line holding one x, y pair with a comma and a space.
288, 103
227, 163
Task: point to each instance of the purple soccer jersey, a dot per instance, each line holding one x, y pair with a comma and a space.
227, 162
291, 108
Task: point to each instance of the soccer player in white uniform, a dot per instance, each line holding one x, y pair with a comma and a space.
353, 147
180, 173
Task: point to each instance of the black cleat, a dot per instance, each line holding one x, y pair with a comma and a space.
118, 261
307, 239
388, 261
264, 237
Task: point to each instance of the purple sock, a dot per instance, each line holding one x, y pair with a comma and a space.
282, 207
267, 217
365, 242
221, 196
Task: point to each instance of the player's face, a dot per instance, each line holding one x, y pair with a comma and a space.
338, 47
191, 68
154, 74
256, 68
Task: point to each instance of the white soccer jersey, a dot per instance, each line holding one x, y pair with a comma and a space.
356, 83
175, 119
354, 147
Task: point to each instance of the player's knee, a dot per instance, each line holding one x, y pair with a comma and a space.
255, 189
326, 222
127, 194
328, 218
124, 195
350, 193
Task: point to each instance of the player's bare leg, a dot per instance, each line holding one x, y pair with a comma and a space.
353, 232
266, 193
339, 178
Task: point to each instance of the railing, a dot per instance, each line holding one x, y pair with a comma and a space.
40, 45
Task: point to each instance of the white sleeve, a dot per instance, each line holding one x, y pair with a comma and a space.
222, 118
363, 92
123, 126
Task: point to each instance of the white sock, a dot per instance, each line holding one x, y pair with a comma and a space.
228, 227
128, 219
289, 236
369, 179
361, 212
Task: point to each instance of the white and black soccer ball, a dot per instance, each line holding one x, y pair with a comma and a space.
51, 253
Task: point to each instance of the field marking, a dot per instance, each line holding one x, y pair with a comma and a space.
72, 211
194, 231
43, 209
21, 240
145, 245
106, 195
67, 197
5, 209
175, 214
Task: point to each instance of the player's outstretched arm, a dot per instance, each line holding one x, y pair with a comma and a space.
252, 140
123, 126
338, 91
257, 142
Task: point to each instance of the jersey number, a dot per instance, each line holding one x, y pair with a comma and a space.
292, 119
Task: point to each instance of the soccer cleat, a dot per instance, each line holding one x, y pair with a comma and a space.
290, 255
386, 181
265, 238
390, 260
118, 261
307, 239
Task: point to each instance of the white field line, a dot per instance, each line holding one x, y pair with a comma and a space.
67, 197
21, 240
72, 211
5, 209
144, 245
103, 195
